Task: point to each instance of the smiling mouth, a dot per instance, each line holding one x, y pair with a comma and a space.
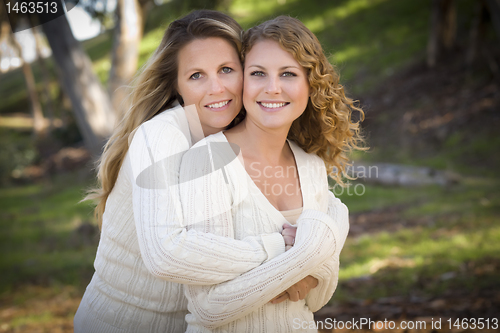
273, 105
218, 105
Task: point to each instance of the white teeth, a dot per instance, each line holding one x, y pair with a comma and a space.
217, 105
272, 105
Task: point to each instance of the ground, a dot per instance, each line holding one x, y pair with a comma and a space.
446, 118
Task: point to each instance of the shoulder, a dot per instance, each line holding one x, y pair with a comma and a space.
166, 131
313, 178
310, 161
217, 137
214, 149
173, 119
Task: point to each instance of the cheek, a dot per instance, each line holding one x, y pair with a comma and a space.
236, 86
191, 95
250, 89
303, 94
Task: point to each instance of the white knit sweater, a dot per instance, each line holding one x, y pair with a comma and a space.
145, 251
225, 201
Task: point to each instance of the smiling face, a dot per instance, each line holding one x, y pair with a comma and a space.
276, 90
210, 77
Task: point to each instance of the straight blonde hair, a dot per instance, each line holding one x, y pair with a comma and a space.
154, 90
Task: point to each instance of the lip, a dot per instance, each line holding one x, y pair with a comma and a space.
272, 102
221, 108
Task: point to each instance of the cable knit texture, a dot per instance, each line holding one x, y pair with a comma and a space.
222, 199
146, 250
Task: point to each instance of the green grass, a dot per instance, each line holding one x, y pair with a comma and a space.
38, 242
387, 35
460, 226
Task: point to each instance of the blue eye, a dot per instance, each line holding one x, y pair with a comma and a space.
195, 76
257, 73
226, 70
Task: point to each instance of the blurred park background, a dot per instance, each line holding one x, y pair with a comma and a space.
424, 212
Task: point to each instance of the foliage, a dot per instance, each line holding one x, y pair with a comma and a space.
18, 152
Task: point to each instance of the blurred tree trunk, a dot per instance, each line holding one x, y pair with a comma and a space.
485, 11
49, 108
91, 105
36, 108
442, 29
125, 54
494, 10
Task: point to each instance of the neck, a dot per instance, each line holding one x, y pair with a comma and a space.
259, 143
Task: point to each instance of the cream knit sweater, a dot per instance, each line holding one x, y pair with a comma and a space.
145, 251
146, 248
225, 201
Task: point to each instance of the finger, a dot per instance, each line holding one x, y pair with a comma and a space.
293, 295
289, 240
280, 299
283, 293
288, 247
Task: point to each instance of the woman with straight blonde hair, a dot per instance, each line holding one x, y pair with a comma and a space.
297, 130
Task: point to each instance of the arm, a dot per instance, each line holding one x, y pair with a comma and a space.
207, 202
220, 304
327, 273
318, 288
169, 250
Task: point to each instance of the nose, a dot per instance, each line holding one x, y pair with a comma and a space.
273, 85
216, 86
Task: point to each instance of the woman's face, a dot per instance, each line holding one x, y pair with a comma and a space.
276, 89
210, 76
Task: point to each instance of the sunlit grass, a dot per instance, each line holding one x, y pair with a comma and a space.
461, 226
362, 197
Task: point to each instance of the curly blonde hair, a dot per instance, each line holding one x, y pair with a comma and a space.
325, 128
154, 90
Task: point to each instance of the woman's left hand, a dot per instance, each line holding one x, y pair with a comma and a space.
288, 233
298, 291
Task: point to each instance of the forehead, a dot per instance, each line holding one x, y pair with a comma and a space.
207, 50
268, 52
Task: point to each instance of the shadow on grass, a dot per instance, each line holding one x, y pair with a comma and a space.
47, 235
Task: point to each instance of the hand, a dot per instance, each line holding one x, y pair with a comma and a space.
298, 291
288, 233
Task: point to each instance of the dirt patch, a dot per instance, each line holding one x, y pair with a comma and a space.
388, 219
422, 113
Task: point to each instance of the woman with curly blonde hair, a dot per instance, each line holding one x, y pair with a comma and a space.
297, 130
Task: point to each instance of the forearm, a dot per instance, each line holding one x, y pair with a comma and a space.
328, 273
220, 304
169, 249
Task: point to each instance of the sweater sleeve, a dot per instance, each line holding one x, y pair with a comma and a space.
207, 201
169, 248
328, 273
220, 304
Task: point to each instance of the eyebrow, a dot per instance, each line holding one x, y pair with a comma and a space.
281, 68
196, 70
